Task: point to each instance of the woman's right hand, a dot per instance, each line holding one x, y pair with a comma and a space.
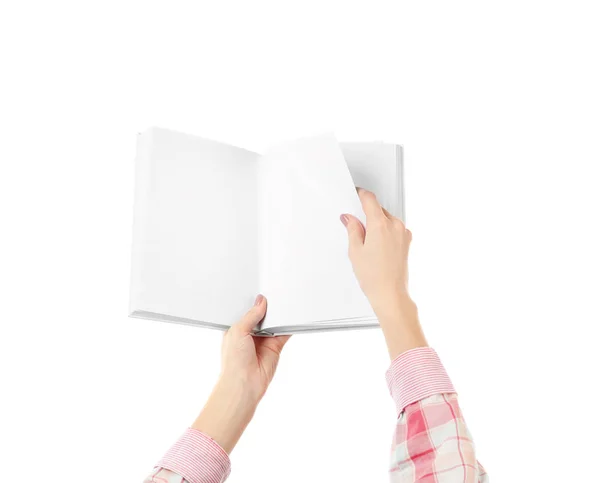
379, 256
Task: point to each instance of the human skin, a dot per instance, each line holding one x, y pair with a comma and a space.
379, 255
248, 365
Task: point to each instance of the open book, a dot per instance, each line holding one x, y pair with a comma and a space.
215, 225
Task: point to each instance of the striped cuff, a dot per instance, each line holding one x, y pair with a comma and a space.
197, 458
417, 374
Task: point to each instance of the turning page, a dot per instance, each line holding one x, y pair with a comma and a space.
378, 167
304, 187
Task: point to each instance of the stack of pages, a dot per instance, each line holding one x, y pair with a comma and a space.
215, 225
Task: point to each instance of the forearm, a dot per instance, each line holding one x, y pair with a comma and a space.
399, 320
226, 414
201, 455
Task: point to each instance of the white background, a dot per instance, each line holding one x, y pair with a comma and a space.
498, 107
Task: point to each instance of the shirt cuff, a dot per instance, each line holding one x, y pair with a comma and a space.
417, 374
197, 458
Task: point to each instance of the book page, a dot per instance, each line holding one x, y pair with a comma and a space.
304, 187
377, 167
195, 231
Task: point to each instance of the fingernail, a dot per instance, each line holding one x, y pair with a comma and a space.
344, 219
259, 299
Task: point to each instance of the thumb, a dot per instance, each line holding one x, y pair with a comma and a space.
356, 231
268, 350
253, 316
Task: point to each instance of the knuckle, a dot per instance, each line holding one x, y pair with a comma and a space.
399, 223
369, 195
379, 223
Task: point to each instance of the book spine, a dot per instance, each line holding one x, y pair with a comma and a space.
143, 177
401, 199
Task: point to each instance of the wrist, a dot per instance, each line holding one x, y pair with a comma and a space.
393, 305
399, 320
226, 414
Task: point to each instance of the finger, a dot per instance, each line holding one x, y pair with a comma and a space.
253, 316
397, 221
370, 205
274, 344
387, 214
409, 239
356, 231
269, 348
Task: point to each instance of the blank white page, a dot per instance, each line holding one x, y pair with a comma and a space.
304, 187
195, 237
377, 167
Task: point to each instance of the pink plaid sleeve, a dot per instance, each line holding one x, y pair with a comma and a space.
194, 458
431, 442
